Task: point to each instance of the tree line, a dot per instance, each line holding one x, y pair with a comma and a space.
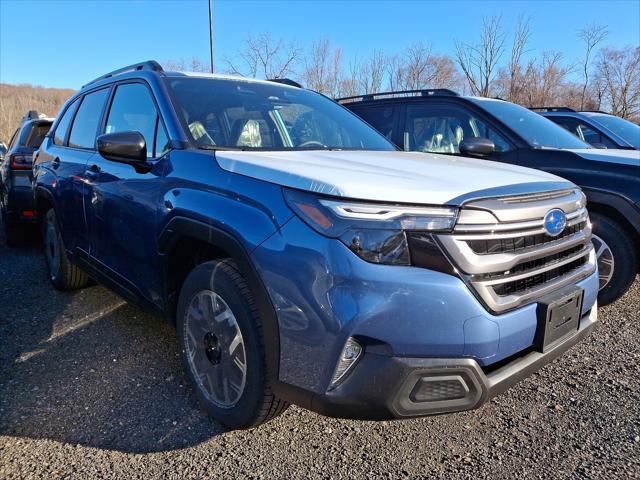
499, 63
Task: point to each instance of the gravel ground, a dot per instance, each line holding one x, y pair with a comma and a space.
91, 387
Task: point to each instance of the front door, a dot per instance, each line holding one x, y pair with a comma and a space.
123, 201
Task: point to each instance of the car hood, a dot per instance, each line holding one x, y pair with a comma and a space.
625, 157
403, 177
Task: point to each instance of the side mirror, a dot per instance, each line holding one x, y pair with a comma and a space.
477, 147
125, 147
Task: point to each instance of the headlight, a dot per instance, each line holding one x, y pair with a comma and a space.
374, 231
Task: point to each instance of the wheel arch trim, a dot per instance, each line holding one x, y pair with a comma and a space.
180, 227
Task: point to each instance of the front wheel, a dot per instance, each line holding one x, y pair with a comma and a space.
222, 346
62, 273
617, 258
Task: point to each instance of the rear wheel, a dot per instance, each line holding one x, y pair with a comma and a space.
617, 258
222, 347
62, 273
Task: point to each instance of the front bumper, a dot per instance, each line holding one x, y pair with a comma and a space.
386, 387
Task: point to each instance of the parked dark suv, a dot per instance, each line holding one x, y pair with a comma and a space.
441, 121
16, 197
599, 129
302, 257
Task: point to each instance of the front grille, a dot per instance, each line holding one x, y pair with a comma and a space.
500, 245
510, 260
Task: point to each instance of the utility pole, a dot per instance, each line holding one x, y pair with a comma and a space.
211, 35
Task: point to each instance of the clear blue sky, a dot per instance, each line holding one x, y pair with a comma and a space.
82, 39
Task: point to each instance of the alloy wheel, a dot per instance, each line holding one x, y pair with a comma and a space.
215, 349
605, 259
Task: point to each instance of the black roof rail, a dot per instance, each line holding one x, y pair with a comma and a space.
433, 92
595, 111
285, 81
151, 65
551, 109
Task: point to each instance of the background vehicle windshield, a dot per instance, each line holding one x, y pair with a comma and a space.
221, 113
629, 131
536, 130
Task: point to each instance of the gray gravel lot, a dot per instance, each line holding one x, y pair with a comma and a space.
91, 387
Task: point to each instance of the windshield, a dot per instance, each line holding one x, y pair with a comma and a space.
245, 115
630, 132
536, 130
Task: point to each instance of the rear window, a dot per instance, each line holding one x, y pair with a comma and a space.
36, 134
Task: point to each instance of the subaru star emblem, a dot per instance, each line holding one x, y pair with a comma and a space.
554, 222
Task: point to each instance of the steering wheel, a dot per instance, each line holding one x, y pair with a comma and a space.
309, 143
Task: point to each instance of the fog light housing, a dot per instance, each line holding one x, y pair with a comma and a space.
349, 356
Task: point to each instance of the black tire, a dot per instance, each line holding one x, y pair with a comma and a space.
624, 254
62, 273
256, 402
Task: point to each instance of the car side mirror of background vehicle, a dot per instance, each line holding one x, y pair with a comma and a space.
126, 147
477, 147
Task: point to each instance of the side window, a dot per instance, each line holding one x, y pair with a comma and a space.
85, 125
63, 125
382, 119
133, 109
12, 142
594, 137
441, 128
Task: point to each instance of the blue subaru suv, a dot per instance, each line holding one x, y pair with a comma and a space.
302, 258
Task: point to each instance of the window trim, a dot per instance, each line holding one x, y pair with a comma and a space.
75, 101
109, 103
75, 114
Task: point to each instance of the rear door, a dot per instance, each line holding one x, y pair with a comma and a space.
67, 153
122, 201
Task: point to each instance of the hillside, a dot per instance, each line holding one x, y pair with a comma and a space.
16, 100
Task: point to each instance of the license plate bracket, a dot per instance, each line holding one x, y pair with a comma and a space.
558, 317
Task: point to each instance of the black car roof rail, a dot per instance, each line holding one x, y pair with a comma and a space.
551, 109
286, 81
595, 111
151, 65
433, 92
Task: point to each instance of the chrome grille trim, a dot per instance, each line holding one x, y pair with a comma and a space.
489, 272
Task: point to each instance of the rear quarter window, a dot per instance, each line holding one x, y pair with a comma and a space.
60, 134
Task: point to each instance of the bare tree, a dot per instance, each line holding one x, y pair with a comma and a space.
479, 62
263, 56
193, 64
521, 39
591, 35
323, 69
545, 81
619, 77
367, 76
